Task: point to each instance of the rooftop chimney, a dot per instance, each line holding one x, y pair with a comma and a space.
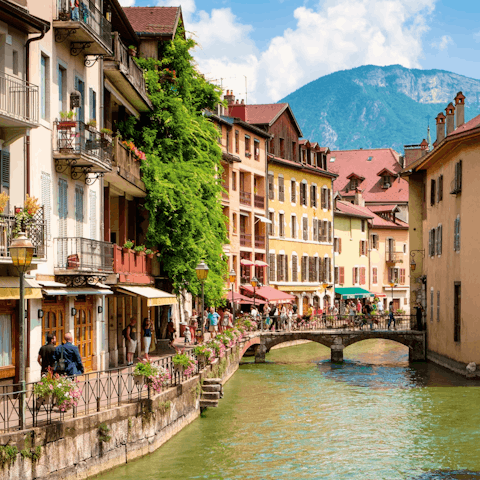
424, 147
359, 198
229, 97
460, 107
450, 118
237, 109
440, 127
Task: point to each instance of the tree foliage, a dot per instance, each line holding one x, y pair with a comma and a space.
182, 170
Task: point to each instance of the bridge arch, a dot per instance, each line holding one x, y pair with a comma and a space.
407, 341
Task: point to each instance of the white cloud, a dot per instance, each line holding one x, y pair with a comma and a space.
443, 43
127, 3
334, 35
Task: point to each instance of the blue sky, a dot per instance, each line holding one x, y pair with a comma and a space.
281, 45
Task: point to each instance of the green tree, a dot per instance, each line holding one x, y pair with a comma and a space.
182, 170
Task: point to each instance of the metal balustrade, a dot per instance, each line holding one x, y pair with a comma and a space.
18, 99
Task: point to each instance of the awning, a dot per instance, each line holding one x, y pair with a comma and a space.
353, 292
50, 283
242, 299
263, 219
154, 296
271, 295
260, 263
73, 292
246, 263
10, 288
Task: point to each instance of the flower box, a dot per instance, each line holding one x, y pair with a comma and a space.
139, 380
65, 125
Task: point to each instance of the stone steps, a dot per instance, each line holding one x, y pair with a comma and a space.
212, 388
212, 381
208, 403
211, 395
212, 391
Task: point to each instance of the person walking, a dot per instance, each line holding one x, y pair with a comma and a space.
391, 317
171, 331
226, 319
147, 337
71, 356
46, 354
131, 340
283, 317
419, 316
289, 318
367, 309
213, 318
351, 313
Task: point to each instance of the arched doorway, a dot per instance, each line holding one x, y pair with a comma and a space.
84, 330
53, 321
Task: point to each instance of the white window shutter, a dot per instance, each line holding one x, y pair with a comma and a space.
78, 211
93, 214
47, 202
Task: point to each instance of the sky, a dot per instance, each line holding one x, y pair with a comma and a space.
265, 50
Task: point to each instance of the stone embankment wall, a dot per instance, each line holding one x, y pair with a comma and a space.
81, 447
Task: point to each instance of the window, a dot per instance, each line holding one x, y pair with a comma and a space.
272, 146
313, 196
294, 151
234, 223
304, 268
369, 159
5, 175
431, 243
271, 267
294, 268
271, 225
234, 181
393, 275
438, 305
46, 181
15, 62
247, 146
93, 214
282, 147
374, 241
237, 141
44, 84
402, 276
93, 104
281, 268
305, 228
456, 235
332, 159
457, 181
294, 226
387, 181
341, 279
62, 89
404, 248
293, 191
440, 189
457, 311
228, 141
363, 247
374, 275
438, 237
303, 193
78, 211
355, 276
271, 191
281, 189
281, 224
353, 184
362, 276
337, 245
336, 275
80, 86
431, 304
432, 192
363, 225
256, 149
6, 345
315, 230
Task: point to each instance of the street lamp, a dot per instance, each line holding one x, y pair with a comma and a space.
202, 274
21, 252
232, 276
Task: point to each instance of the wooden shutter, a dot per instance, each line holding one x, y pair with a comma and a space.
305, 228
79, 211
315, 230
390, 276
362, 275
440, 188
310, 269
374, 275
5, 169
430, 242
272, 267
312, 200
329, 199
271, 191
304, 268
286, 268
330, 270
440, 240
62, 222
46, 181
339, 245
458, 234
279, 268
432, 192
402, 276
322, 198
294, 268
293, 191
459, 180
341, 275
330, 231
93, 214
281, 189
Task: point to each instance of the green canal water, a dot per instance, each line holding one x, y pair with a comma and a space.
300, 417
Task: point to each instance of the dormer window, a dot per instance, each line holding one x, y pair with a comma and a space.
353, 184
387, 178
355, 181
386, 181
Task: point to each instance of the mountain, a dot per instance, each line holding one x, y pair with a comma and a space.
377, 107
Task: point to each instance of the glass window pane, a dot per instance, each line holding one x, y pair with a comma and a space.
5, 340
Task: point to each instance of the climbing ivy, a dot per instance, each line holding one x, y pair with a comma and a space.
182, 170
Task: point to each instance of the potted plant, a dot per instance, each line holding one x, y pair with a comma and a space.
91, 125
3, 201
183, 363
204, 354
132, 50
127, 246
107, 135
24, 217
67, 120
146, 374
140, 249
149, 253
63, 391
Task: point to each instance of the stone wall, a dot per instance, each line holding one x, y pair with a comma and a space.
80, 447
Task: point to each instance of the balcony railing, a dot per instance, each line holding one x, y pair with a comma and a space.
259, 201
78, 254
18, 99
131, 266
394, 257
259, 241
89, 16
35, 228
74, 138
245, 198
245, 240
128, 166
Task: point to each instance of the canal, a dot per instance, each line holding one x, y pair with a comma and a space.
375, 417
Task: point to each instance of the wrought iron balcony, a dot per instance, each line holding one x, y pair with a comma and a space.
35, 228
245, 240
259, 201
394, 257
83, 149
85, 27
18, 106
127, 76
83, 255
245, 198
259, 241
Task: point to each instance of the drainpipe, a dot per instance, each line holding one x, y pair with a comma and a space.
27, 137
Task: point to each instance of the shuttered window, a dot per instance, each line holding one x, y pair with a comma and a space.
440, 188
313, 196
329, 261
281, 189
329, 199
6, 348
305, 228
46, 181
355, 275
271, 225
362, 276
280, 274
281, 224
330, 232
439, 240
62, 221
402, 276
457, 181
311, 269
294, 226
456, 235
294, 268
271, 191
293, 191
304, 268
438, 305
341, 279
303, 193
323, 198
432, 192
92, 96
337, 275
286, 267
93, 214
271, 267
79, 211
374, 275
315, 230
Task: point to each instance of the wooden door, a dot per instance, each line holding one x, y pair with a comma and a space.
84, 331
53, 321
305, 305
396, 304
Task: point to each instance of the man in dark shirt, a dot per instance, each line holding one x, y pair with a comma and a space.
419, 316
71, 355
46, 355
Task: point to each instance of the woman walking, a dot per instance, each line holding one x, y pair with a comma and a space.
147, 337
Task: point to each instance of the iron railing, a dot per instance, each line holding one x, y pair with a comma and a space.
99, 391
76, 138
245, 239
259, 201
18, 99
35, 227
88, 15
394, 257
245, 198
83, 255
259, 241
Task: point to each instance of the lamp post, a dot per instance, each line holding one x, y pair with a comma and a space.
21, 253
232, 276
202, 274
254, 283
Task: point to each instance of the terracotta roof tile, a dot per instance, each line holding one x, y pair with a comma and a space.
470, 125
263, 114
379, 222
382, 208
351, 209
356, 161
151, 20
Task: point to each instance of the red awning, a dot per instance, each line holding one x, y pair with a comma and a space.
245, 262
242, 299
261, 263
270, 294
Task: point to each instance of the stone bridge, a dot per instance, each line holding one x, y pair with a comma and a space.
337, 340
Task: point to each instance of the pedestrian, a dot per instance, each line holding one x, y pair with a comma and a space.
131, 340
351, 312
226, 319
283, 317
147, 337
71, 356
192, 324
266, 311
359, 307
171, 331
46, 355
187, 334
254, 313
391, 317
289, 317
213, 318
419, 316
274, 317
367, 310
